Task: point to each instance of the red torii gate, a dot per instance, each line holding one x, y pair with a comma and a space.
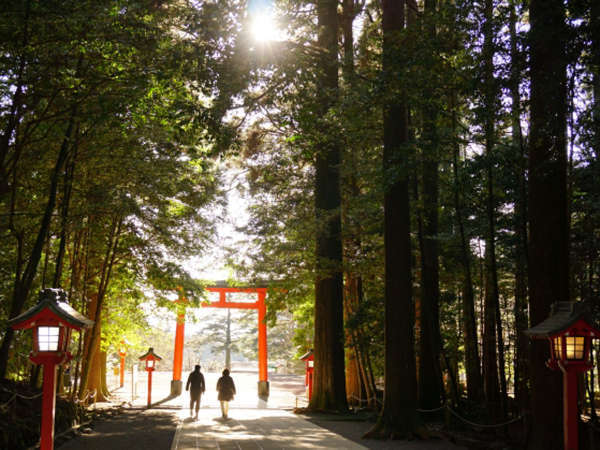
222, 288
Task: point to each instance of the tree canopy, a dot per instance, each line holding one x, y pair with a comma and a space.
420, 179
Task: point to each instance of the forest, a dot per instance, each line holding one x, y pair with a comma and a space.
419, 178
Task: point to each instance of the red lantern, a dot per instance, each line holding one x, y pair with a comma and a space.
52, 321
569, 331
309, 359
150, 357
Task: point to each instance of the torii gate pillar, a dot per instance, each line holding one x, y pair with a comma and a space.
263, 381
176, 383
260, 306
223, 289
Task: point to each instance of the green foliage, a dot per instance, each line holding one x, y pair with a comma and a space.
135, 80
159, 93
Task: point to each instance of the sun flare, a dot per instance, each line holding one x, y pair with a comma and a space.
264, 28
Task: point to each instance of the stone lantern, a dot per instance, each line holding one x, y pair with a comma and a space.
52, 321
309, 359
569, 331
150, 358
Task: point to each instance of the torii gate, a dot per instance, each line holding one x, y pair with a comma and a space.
259, 304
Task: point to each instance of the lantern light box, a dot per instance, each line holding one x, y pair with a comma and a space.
52, 319
150, 358
569, 329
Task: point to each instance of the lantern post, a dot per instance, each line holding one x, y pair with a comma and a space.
150, 357
569, 332
52, 321
309, 359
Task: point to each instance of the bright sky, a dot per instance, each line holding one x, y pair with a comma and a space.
211, 266
263, 21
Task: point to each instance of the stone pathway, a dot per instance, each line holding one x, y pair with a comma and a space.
255, 429
253, 424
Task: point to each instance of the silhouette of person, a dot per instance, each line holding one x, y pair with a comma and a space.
196, 383
226, 389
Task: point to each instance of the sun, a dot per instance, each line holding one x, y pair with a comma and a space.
264, 27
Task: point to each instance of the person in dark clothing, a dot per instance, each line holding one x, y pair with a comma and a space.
195, 384
226, 389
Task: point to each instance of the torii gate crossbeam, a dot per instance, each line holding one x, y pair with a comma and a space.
259, 304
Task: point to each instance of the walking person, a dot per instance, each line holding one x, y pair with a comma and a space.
226, 389
196, 383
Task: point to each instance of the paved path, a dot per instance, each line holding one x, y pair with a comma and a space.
253, 424
133, 429
255, 429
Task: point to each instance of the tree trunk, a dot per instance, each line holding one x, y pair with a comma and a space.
356, 390
547, 208
93, 335
490, 360
15, 114
24, 283
355, 383
595, 53
349, 12
399, 416
46, 258
366, 371
520, 225
430, 374
103, 374
590, 391
355, 393
85, 307
91, 344
64, 218
501, 359
329, 377
472, 361
97, 367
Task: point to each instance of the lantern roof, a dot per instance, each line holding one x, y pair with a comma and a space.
150, 355
52, 307
308, 355
563, 315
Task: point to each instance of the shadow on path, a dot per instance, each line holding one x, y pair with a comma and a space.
131, 430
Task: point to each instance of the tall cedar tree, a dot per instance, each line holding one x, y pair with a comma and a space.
24, 280
469, 323
595, 57
520, 218
490, 361
430, 375
548, 221
399, 416
93, 357
356, 385
329, 377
